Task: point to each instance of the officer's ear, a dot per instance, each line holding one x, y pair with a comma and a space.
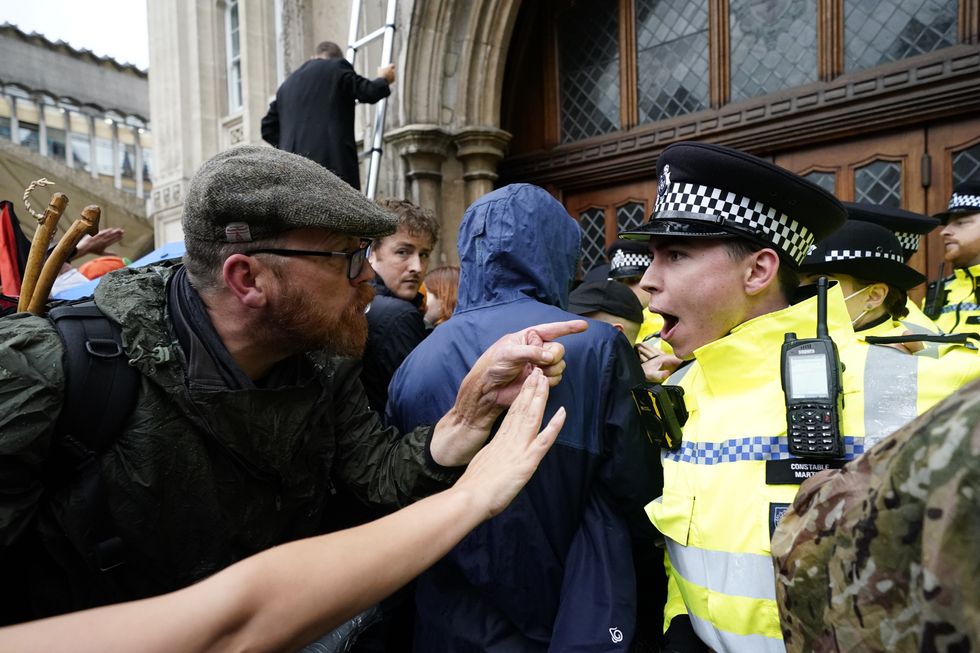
248, 279
761, 270
877, 292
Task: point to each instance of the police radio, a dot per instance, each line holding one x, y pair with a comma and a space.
662, 413
811, 377
936, 295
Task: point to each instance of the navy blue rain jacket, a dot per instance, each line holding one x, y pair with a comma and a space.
553, 571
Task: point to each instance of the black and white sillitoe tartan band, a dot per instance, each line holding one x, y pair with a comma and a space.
851, 254
909, 241
957, 201
623, 259
690, 201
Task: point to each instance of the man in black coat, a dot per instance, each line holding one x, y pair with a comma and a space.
313, 113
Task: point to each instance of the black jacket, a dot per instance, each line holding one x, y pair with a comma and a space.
313, 114
395, 328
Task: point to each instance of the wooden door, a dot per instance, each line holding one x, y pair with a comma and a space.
602, 214
885, 170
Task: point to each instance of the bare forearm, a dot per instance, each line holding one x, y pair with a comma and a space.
277, 600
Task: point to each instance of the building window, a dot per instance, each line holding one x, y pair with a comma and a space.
966, 165
103, 157
5, 128
593, 224
879, 182
588, 50
234, 57
671, 57
147, 165
639, 61
56, 143
28, 136
81, 152
877, 32
127, 163
773, 45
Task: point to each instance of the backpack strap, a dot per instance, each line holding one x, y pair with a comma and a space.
100, 394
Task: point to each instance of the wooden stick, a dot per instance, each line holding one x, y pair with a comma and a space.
87, 224
42, 237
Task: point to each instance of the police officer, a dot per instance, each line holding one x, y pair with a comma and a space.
728, 232
961, 239
867, 261
909, 228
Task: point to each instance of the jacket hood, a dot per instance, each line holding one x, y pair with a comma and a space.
516, 242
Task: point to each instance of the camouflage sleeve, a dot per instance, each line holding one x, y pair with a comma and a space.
376, 462
31, 390
879, 556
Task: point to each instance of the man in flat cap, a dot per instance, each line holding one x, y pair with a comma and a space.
555, 570
727, 235
960, 293
249, 404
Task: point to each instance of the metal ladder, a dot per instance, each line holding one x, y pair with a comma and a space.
386, 32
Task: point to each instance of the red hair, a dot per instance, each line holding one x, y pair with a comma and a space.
444, 282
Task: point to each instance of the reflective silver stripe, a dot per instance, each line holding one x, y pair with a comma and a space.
735, 574
930, 349
679, 374
891, 392
725, 642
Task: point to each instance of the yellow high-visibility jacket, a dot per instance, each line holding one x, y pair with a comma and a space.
962, 310
733, 477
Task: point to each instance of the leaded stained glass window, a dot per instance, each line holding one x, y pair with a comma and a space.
588, 50
966, 165
629, 215
773, 45
672, 58
879, 182
593, 224
878, 32
826, 180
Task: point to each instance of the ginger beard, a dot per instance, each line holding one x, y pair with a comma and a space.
303, 322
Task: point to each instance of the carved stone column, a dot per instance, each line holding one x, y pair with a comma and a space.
480, 149
424, 148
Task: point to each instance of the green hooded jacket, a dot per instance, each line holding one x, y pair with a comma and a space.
198, 479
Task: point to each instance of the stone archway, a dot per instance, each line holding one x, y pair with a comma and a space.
447, 123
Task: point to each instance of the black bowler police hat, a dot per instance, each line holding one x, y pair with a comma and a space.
628, 258
965, 199
864, 250
710, 191
908, 227
608, 296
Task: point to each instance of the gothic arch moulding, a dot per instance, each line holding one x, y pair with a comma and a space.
455, 56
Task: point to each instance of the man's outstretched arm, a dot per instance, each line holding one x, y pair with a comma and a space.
286, 597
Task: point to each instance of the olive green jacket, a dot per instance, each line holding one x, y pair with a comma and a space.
197, 479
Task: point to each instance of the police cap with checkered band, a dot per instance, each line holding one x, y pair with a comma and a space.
908, 227
863, 250
627, 259
964, 200
711, 191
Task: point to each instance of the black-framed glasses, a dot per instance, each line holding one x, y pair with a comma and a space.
355, 259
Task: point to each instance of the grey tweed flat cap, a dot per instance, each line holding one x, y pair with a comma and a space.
253, 191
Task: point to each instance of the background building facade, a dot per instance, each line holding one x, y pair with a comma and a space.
81, 121
875, 100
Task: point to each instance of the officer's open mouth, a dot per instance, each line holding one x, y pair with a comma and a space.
670, 323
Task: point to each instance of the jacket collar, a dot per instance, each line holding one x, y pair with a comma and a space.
750, 354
